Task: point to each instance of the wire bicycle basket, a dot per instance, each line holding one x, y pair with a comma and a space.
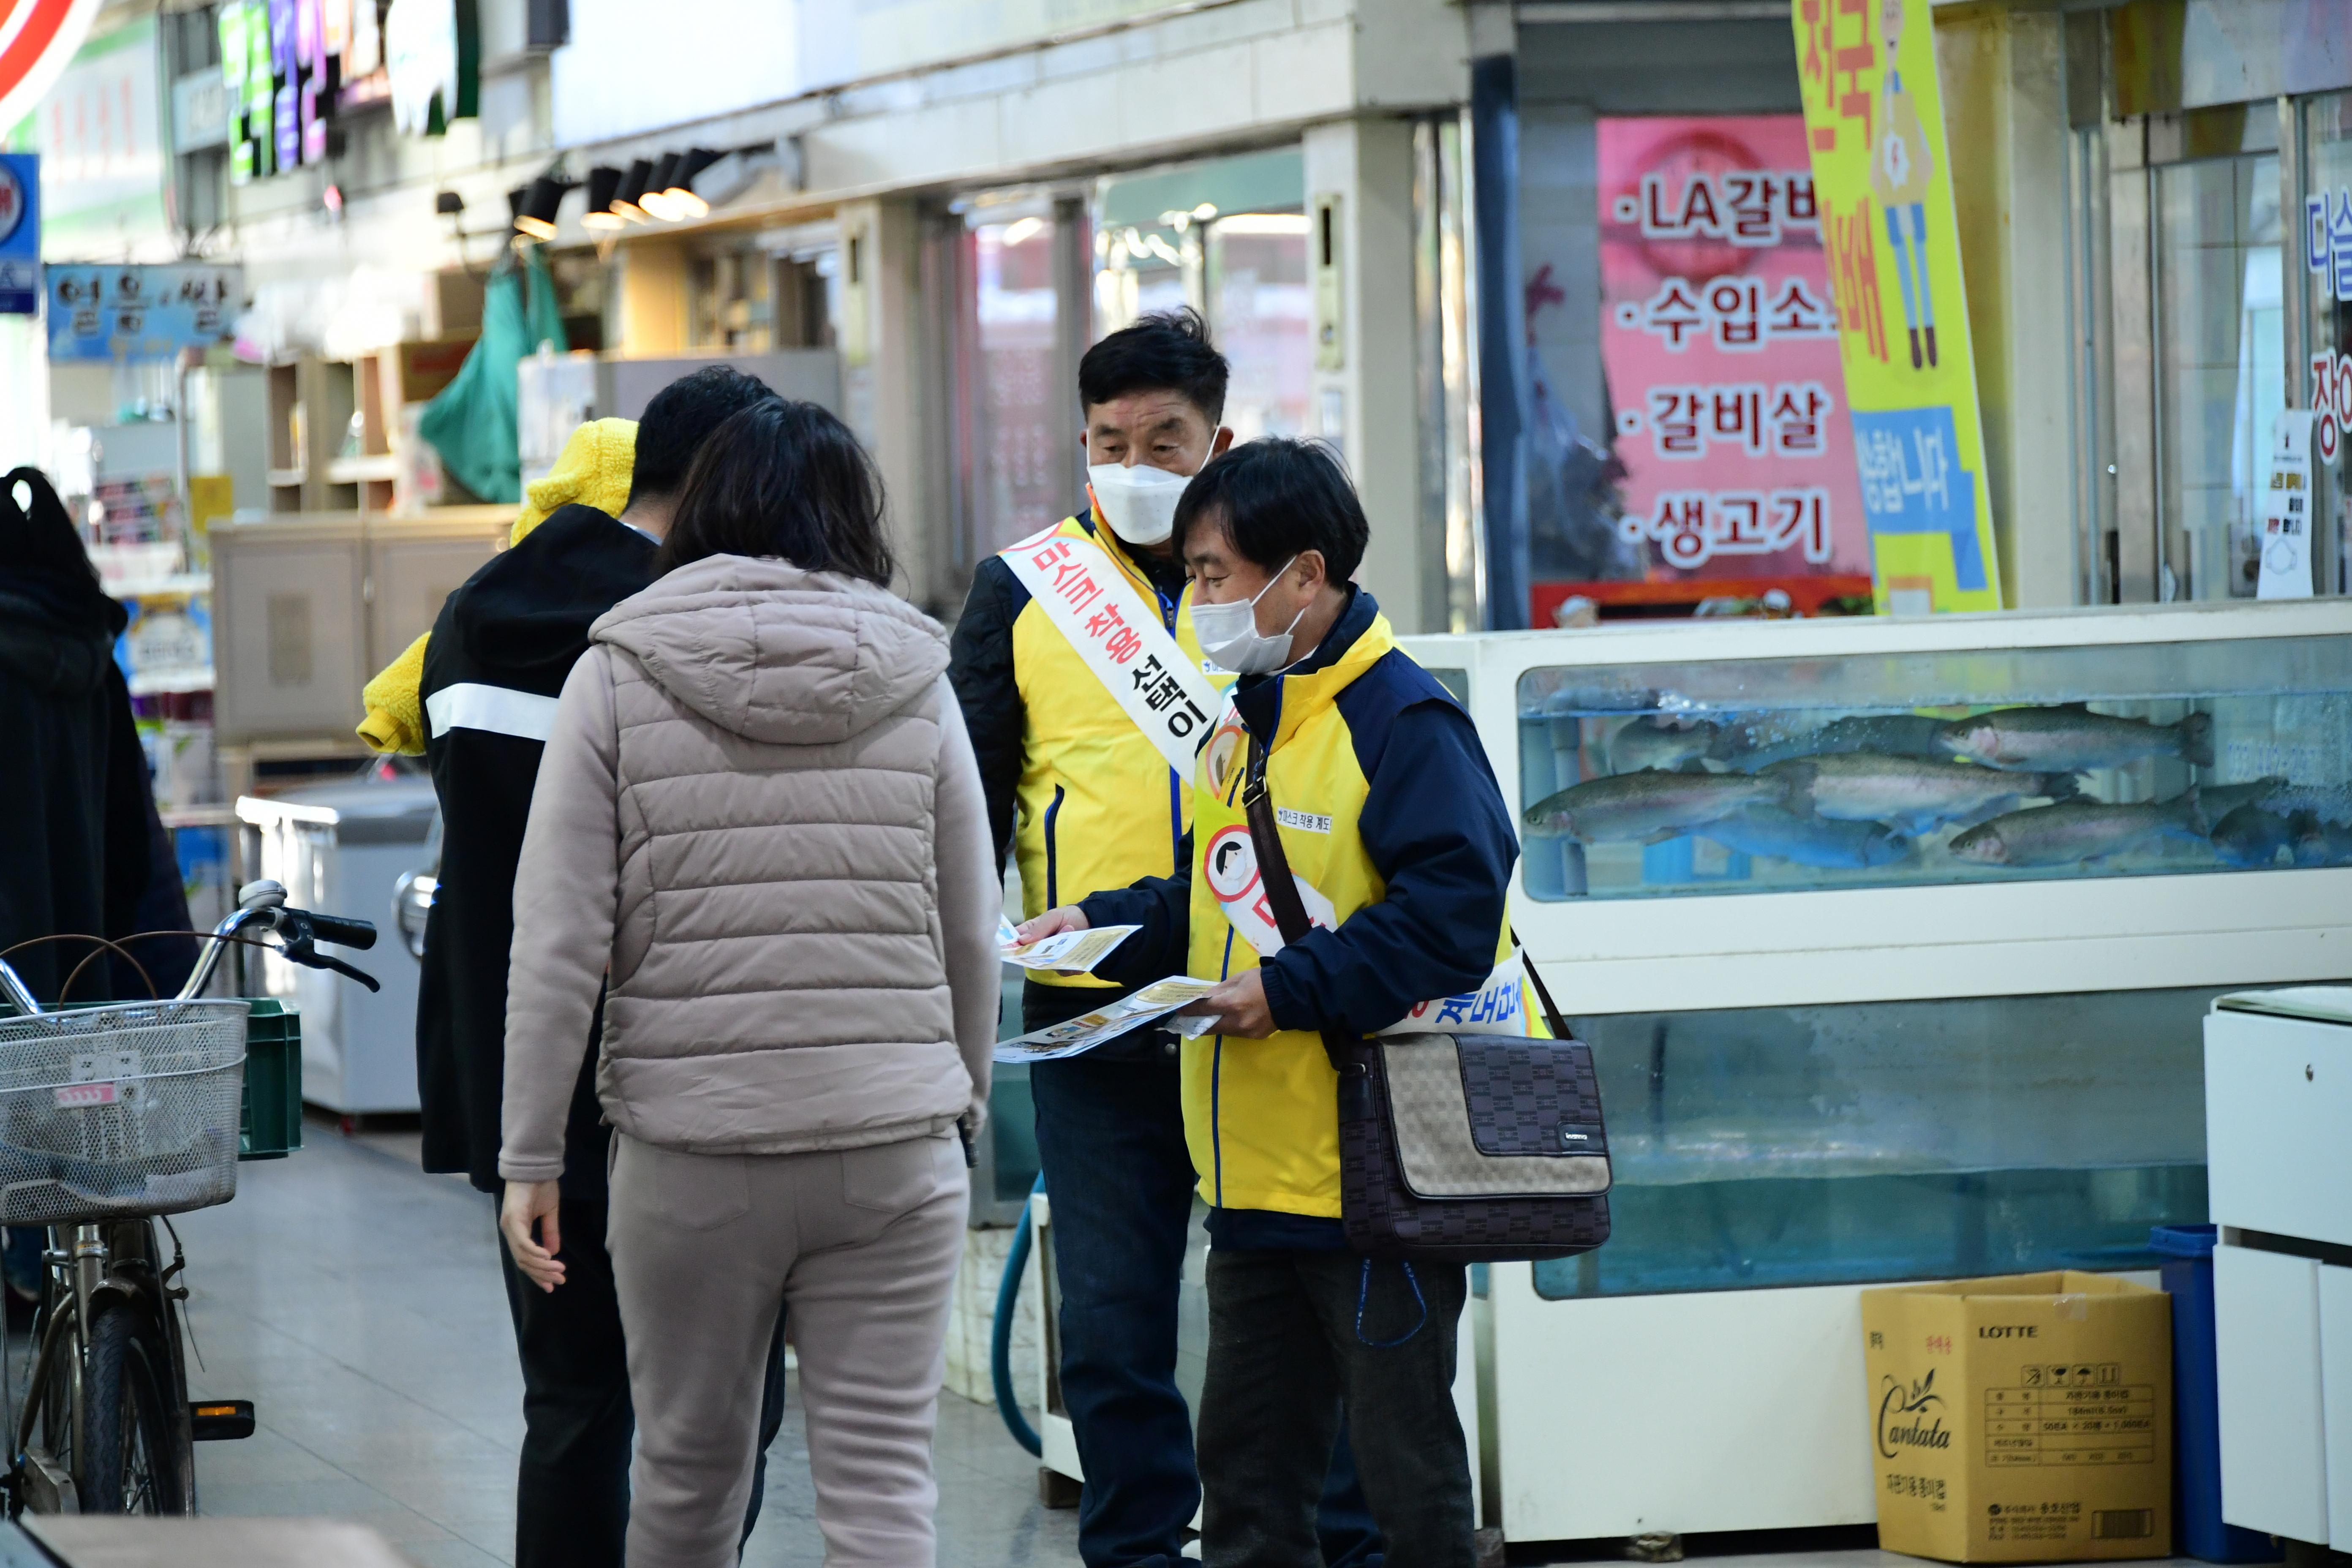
125, 1108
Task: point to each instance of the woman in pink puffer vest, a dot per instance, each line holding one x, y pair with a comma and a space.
758, 827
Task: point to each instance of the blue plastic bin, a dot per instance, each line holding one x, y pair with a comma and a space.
2188, 1254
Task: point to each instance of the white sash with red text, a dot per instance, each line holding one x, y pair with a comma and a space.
1120, 639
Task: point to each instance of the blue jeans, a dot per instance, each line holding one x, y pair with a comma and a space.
1110, 1136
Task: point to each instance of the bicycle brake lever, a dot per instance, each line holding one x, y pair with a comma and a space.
309, 957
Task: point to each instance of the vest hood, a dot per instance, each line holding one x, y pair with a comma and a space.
773, 653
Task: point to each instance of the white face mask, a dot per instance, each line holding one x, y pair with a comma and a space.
1139, 504
1230, 637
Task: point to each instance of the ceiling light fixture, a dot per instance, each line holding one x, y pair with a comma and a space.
683, 201
536, 217
655, 199
604, 184
625, 200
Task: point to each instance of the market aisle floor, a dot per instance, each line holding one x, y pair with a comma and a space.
357, 1301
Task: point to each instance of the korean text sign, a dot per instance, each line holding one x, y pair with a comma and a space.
2327, 256
1882, 172
1721, 349
139, 312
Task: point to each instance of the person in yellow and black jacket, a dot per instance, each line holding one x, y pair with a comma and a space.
1088, 801
1393, 820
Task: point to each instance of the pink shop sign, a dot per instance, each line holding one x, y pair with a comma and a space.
1720, 338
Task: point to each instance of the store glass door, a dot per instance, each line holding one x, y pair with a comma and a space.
2221, 367
1012, 424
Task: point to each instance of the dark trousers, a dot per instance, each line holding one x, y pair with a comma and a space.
1296, 1341
1110, 1136
571, 1490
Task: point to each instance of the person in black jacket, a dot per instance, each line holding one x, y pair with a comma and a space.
493, 668
75, 857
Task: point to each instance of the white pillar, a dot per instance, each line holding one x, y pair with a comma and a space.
1367, 402
882, 360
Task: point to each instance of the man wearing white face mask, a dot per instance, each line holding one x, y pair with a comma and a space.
1396, 833
1084, 689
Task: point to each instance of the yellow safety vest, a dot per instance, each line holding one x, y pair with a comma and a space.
1262, 1117
1101, 807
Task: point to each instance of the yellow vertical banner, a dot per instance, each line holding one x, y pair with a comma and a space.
1874, 129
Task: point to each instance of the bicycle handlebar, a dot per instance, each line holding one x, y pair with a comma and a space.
343, 932
261, 904
264, 904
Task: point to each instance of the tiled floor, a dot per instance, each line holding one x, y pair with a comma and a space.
357, 1301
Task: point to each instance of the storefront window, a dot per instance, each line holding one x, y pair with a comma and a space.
1258, 311
2222, 372
1227, 237
1015, 424
730, 301
2325, 265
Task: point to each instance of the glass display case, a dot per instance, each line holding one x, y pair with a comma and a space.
1858, 1143
1891, 939
1933, 766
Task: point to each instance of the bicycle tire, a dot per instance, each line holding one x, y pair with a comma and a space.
127, 1461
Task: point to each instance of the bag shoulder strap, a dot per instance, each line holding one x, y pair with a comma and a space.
1274, 869
1558, 1025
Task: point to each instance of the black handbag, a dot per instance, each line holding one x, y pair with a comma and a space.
1454, 1148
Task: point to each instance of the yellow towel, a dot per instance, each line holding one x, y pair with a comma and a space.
594, 470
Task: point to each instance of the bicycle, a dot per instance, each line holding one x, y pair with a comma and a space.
112, 1117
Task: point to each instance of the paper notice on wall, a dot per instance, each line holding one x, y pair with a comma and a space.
1069, 951
1088, 1030
2286, 510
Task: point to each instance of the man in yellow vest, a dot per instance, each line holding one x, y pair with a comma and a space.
1084, 689
1397, 835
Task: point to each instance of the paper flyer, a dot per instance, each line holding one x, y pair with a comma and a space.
1091, 1029
1069, 951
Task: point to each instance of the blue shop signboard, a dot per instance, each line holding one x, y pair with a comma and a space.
20, 234
122, 313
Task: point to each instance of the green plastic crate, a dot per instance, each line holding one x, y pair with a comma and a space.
269, 1124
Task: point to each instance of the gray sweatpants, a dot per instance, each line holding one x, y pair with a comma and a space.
862, 1246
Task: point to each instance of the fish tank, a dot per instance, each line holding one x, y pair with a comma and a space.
1912, 767
1753, 1148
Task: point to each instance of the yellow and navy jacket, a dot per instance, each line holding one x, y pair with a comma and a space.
1083, 797
1388, 807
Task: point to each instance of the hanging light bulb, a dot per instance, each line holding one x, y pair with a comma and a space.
536, 216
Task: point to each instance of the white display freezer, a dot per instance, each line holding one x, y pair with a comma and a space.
2278, 1098
341, 849
1893, 939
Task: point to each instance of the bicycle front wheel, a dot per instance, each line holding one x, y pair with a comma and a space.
128, 1458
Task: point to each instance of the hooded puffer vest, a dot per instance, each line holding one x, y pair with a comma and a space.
779, 976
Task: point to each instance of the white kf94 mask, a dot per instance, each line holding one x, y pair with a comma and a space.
1139, 504
1229, 635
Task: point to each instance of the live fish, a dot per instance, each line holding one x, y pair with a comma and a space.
1887, 734
1651, 742
2072, 739
1809, 841
2220, 800
1650, 805
2250, 837
2319, 842
2076, 830
1911, 795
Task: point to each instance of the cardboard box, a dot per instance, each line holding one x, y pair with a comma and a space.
2022, 1419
